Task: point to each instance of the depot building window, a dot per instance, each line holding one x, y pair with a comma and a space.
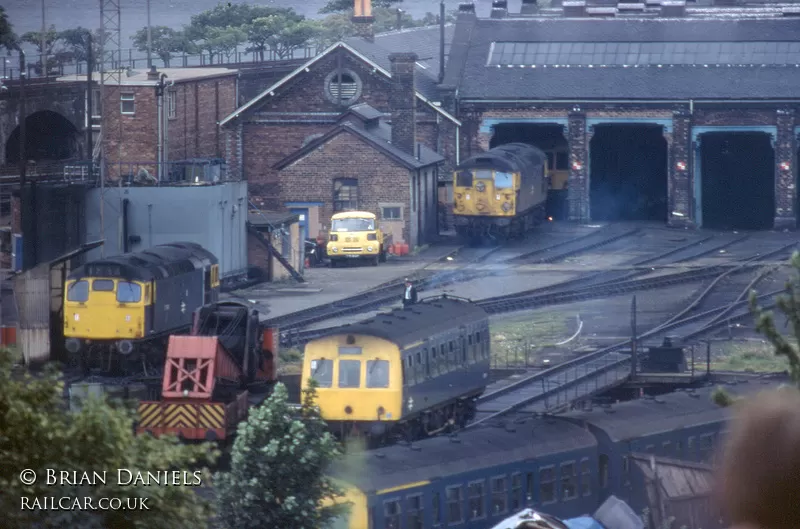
345, 194
127, 103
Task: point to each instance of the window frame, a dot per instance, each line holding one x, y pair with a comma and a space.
172, 104
565, 479
552, 481
459, 502
368, 382
339, 203
397, 500
127, 97
383, 206
97, 103
482, 497
584, 477
420, 511
517, 493
493, 494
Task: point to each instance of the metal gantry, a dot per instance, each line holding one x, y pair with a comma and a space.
110, 73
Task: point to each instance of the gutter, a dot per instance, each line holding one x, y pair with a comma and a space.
690, 102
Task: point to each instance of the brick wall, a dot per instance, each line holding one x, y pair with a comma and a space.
310, 179
258, 255
402, 101
193, 133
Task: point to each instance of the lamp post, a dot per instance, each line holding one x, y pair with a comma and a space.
24, 199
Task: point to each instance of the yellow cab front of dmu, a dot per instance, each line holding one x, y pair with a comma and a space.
121, 306
501, 193
411, 372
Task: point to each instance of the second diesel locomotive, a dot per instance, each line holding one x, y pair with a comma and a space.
414, 371
500, 193
124, 308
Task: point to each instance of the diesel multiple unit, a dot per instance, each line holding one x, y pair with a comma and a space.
414, 371
133, 302
500, 193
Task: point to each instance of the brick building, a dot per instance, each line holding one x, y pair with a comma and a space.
310, 103
152, 119
694, 107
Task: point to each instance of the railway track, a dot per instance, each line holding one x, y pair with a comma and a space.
387, 293
582, 377
515, 302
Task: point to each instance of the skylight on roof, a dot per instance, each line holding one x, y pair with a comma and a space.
642, 53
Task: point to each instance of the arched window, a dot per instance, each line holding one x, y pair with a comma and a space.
345, 194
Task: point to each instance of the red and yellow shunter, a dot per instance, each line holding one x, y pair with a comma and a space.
212, 376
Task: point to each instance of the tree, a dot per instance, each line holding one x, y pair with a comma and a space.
290, 37
221, 41
77, 43
51, 38
278, 465
331, 29
8, 39
164, 41
37, 434
340, 6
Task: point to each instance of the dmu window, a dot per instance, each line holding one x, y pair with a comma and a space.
322, 372
705, 446
78, 292
377, 373
129, 292
586, 478
349, 373
436, 508
569, 489
476, 494
516, 492
499, 495
547, 485
454, 513
391, 513
414, 515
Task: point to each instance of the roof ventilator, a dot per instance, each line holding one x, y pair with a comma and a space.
790, 11
529, 7
630, 7
499, 9
574, 8
466, 8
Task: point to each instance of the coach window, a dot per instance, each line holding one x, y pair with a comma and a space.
454, 509
427, 363
78, 292
391, 513
349, 373
103, 285
434, 360
666, 447
409, 369
516, 492
129, 292
436, 509
705, 446
569, 489
586, 478
322, 372
414, 514
377, 373
547, 485
499, 495
420, 370
443, 359
678, 448
529, 488
690, 447
603, 471
476, 500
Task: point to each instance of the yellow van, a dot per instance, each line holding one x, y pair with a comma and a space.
355, 235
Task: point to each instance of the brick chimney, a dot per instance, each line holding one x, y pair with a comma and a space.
466, 9
402, 101
363, 19
499, 9
152, 74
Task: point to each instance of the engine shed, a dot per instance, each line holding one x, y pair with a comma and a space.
683, 113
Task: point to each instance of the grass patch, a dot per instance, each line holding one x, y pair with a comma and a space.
515, 339
290, 361
750, 356
16, 353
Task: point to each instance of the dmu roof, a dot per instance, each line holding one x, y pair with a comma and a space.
710, 56
417, 322
510, 157
483, 447
673, 411
158, 262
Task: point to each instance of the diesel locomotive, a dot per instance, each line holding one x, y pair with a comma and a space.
500, 193
414, 372
120, 311
564, 465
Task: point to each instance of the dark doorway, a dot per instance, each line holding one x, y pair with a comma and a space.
628, 173
737, 180
550, 139
48, 136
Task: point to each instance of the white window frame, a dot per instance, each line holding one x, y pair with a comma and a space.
97, 103
172, 104
382, 205
125, 98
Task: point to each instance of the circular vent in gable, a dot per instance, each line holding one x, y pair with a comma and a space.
342, 87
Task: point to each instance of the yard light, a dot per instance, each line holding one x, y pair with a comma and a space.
576, 165
681, 166
785, 166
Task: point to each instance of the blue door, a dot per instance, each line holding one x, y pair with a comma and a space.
303, 214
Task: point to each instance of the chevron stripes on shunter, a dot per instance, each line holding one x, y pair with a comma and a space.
158, 415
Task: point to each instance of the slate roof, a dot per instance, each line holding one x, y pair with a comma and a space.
768, 71
681, 409
407, 325
482, 447
423, 41
378, 135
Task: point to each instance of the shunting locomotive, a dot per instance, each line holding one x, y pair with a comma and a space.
500, 193
413, 372
120, 311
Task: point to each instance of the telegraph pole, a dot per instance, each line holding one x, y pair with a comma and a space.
89, 90
25, 214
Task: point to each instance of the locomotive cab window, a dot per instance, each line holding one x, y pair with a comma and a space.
78, 292
464, 179
503, 180
349, 373
322, 372
377, 373
129, 292
483, 174
103, 285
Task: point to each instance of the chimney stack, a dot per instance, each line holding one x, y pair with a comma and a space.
466, 9
402, 101
529, 7
363, 19
574, 8
673, 8
499, 9
152, 74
